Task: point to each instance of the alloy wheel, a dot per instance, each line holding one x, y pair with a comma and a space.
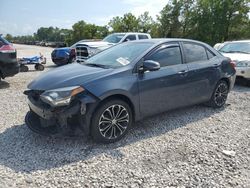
114, 121
221, 93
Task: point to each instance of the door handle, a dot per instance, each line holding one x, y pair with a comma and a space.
216, 65
182, 72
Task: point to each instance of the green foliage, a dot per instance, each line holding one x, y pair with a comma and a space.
82, 30
9, 37
127, 23
210, 21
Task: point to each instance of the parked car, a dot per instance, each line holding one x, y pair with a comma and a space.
8, 60
66, 55
125, 83
239, 51
85, 50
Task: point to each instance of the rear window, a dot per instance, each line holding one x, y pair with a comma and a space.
210, 54
141, 37
194, 52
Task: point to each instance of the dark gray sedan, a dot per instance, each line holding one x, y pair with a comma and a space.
126, 83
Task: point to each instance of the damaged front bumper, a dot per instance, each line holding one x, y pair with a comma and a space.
69, 120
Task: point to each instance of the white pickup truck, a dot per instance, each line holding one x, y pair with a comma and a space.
86, 49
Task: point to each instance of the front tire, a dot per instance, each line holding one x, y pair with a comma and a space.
220, 94
111, 121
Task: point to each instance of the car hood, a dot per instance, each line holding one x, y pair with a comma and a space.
237, 56
67, 76
96, 44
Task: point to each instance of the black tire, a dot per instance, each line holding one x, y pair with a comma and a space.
219, 97
108, 129
40, 67
24, 68
36, 67
248, 83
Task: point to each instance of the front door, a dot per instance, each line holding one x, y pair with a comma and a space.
166, 88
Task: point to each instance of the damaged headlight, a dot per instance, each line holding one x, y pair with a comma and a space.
61, 96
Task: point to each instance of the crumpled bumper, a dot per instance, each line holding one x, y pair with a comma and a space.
48, 121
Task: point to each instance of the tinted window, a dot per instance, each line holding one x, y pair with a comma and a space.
167, 56
142, 37
130, 37
210, 54
194, 52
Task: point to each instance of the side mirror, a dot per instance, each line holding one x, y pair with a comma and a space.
150, 65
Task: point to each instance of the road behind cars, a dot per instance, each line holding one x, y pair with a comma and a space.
178, 148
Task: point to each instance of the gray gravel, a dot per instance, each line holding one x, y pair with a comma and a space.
191, 147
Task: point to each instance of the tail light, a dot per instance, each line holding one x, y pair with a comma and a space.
73, 52
7, 49
233, 64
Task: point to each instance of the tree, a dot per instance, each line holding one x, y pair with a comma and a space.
145, 22
169, 19
127, 23
9, 37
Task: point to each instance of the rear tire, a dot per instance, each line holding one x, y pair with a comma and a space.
39, 67
111, 121
220, 94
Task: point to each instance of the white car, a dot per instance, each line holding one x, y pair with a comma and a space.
239, 52
87, 49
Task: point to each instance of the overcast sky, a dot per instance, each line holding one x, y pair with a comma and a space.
21, 17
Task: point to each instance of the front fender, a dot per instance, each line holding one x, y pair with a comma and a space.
126, 86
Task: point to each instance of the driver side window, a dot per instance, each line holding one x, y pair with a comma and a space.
129, 38
167, 56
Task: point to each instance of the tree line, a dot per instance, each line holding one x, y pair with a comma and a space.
210, 21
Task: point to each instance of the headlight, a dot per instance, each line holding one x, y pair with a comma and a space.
61, 96
243, 64
92, 51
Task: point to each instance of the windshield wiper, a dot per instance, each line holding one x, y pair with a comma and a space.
96, 65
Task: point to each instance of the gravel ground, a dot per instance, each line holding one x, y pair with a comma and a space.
191, 147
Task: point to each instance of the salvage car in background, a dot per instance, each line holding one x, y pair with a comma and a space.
66, 55
8, 60
85, 50
239, 52
108, 92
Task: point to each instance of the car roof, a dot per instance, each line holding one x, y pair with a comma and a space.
125, 33
163, 40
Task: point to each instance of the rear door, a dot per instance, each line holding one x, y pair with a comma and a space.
166, 88
203, 68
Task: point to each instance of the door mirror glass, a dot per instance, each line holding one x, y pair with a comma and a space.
150, 65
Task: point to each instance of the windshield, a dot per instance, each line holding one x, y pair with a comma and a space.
119, 55
239, 47
114, 38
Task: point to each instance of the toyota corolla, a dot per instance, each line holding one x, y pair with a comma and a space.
106, 94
